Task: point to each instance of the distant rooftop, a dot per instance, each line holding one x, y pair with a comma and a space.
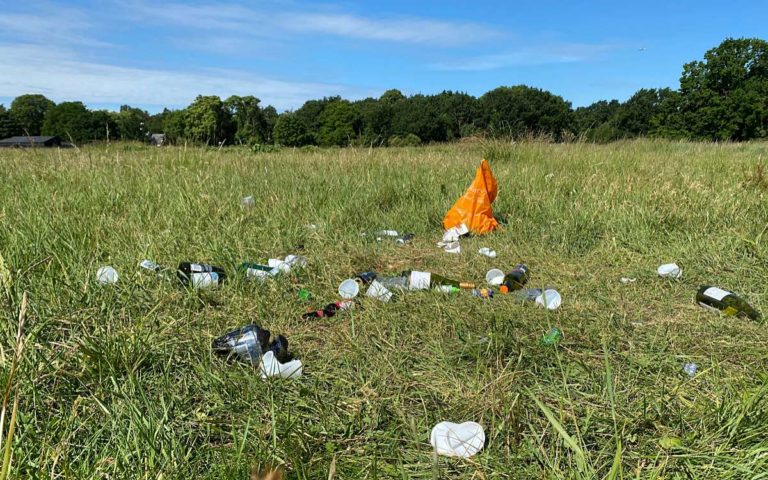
32, 141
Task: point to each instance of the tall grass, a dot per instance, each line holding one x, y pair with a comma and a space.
120, 382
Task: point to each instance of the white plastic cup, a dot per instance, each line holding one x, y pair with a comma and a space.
279, 265
379, 292
550, 299
296, 261
487, 252
349, 288
494, 277
457, 440
106, 275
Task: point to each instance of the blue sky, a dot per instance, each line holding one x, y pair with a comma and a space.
147, 54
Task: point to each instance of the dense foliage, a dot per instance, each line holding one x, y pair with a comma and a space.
722, 97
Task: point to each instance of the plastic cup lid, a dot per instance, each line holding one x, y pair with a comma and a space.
349, 289
552, 297
494, 277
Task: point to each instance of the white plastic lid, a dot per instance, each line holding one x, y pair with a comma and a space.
671, 270
494, 277
349, 289
550, 299
457, 440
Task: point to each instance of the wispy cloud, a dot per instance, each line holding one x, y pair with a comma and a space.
406, 30
528, 56
277, 21
65, 26
58, 73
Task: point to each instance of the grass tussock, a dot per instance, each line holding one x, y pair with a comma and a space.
120, 382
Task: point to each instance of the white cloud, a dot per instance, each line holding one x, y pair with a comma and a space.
528, 56
65, 27
271, 22
58, 74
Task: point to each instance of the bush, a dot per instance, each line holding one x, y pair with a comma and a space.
410, 140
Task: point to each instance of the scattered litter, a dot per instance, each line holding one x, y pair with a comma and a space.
453, 234
378, 291
312, 226
106, 275
482, 293
270, 367
487, 252
627, 280
329, 310
670, 270
249, 343
387, 233
690, 369
494, 277
349, 288
304, 294
453, 247
549, 176
274, 267
457, 440
515, 279
248, 201
725, 302
548, 298
552, 337
405, 239
200, 275
151, 266
474, 207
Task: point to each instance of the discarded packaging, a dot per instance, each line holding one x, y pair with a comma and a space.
474, 207
494, 277
387, 233
627, 281
200, 275
690, 369
249, 343
329, 310
271, 367
349, 288
378, 291
106, 275
670, 270
487, 252
725, 302
248, 201
453, 234
150, 265
552, 337
405, 239
482, 293
457, 440
453, 247
548, 298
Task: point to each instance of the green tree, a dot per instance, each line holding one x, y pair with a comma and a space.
270, 118
8, 126
173, 125
725, 96
132, 123
338, 123
70, 121
458, 112
291, 131
310, 113
419, 115
207, 121
522, 110
634, 117
587, 120
29, 112
102, 126
250, 126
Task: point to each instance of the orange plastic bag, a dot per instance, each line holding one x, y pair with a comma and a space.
474, 207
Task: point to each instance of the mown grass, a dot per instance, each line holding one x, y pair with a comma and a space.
120, 382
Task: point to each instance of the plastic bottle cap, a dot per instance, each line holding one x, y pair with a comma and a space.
349, 288
494, 277
503, 289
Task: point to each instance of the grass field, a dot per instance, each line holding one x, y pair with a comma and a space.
120, 382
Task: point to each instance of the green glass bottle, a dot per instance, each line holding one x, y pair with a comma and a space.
725, 302
426, 280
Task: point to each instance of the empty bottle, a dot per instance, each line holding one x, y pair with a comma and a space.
426, 280
515, 279
553, 336
728, 303
405, 239
258, 271
249, 343
329, 310
200, 275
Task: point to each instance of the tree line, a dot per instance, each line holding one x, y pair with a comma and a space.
724, 96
